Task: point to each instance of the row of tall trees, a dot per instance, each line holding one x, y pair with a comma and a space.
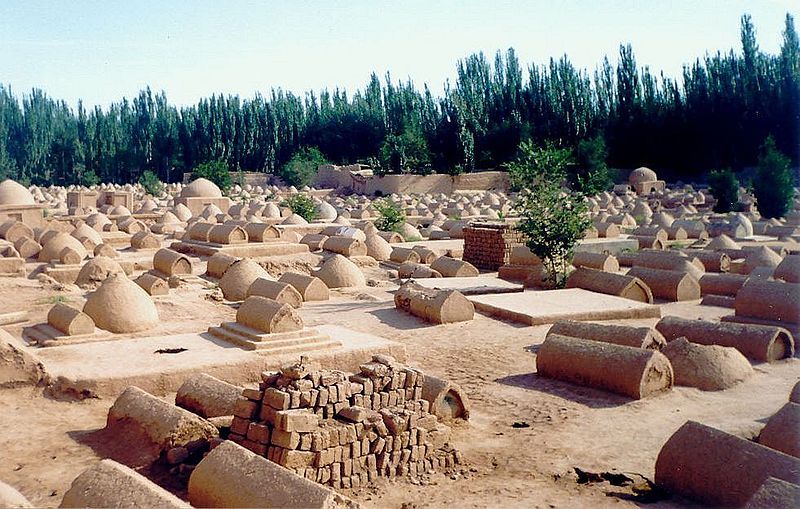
715, 115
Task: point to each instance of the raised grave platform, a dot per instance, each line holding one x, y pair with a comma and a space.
612, 246
472, 285
245, 250
249, 338
542, 307
160, 364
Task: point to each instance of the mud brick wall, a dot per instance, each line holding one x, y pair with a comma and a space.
344, 430
488, 246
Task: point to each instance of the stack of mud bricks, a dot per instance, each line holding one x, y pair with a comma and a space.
488, 245
342, 430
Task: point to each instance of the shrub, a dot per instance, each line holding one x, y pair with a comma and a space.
724, 186
88, 178
391, 215
302, 205
773, 184
534, 163
301, 169
151, 184
552, 219
216, 171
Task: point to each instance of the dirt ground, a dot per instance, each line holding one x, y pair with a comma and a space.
522, 445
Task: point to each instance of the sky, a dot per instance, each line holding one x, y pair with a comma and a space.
100, 51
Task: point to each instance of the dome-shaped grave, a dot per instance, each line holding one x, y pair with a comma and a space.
97, 270
238, 278
641, 175
13, 193
201, 188
339, 272
121, 306
51, 250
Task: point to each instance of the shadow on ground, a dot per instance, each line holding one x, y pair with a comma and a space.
586, 396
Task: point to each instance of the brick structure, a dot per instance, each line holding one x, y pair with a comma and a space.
344, 430
488, 245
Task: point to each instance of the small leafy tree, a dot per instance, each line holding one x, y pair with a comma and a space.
724, 186
301, 169
151, 184
592, 175
302, 205
553, 219
216, 171
773, 184
533, 162
391, 215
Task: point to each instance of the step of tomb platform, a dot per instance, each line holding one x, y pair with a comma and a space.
45, 335
251, 339
257, 335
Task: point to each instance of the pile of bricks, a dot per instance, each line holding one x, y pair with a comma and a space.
343, 430
488, 245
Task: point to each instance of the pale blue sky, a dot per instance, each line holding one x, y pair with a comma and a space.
102, 50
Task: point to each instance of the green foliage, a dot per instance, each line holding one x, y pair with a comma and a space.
592, 175
535, 163
302, 205
54, 299
407, 152
88, 178
391, 215
552, 219
216, 171
301, 169
724, 186
151, 184
773, 183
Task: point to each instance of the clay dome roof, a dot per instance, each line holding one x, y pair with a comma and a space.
408, 232
84, 230
51, 250
97, 270
271, 211
97, 218
119, 210
203, 188
120, 306
642, 174
339, 272
326, 211
377, 247
169, 218
663, 219
182, 212
148, 205
238, 278
13, 193
762, 257
294, 219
